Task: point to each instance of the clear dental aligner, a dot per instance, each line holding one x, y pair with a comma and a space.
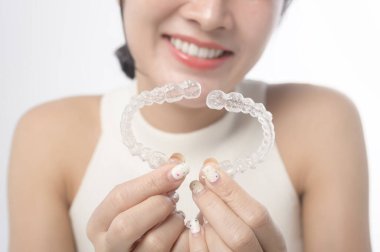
216, 99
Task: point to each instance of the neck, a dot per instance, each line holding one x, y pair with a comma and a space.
175, 119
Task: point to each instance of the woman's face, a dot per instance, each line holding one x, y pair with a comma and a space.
215, 42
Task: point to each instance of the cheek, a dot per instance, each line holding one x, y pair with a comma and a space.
256, 25
147, 11
143, 20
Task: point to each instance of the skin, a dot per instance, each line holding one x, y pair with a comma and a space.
53, 144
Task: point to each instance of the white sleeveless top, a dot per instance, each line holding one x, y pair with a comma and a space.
228, 138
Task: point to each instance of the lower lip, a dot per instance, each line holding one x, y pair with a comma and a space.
197, 63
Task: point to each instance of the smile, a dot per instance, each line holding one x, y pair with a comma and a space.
198, 54
193, 50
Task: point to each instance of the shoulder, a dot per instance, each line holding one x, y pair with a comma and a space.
320, 138
306, 97
65, 108
317, 128
58, 116
312, 110
53, 137
56, 123
51, 145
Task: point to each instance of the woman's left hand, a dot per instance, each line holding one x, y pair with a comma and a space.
235, 221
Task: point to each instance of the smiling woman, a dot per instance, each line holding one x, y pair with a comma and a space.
127, 61
83, 191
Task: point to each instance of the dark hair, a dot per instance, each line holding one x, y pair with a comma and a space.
125, 57
126, 60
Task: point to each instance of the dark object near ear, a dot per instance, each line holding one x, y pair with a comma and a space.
286, 6
126, 61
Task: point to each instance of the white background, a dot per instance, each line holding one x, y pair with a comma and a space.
50, 49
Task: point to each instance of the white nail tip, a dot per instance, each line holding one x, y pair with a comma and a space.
196, 187
180, 171
194, 226
211, 174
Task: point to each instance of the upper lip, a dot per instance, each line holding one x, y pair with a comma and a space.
199, 43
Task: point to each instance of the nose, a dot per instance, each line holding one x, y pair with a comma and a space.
209, 15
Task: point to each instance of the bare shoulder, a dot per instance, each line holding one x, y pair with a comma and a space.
61, 133
320, 138
316, 127
61, 119
307, 97
69, 109
51, 146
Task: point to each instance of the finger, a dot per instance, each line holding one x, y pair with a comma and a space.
202, 177
182, 243
160, 181
197, 241
254, 214
133, 223
214, 242
233, 231
201, 218
163, 236
174, 196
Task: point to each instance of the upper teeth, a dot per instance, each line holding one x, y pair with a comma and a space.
194, 50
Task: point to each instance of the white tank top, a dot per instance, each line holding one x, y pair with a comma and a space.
228, 138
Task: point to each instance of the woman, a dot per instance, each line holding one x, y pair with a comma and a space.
70, 177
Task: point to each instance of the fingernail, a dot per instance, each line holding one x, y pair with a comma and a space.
174, 196
210, 160
180, 171
194, 225
196, 187
176, 158
181, 213
210, 173
172, 202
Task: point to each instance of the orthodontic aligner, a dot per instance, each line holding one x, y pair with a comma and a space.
216, 99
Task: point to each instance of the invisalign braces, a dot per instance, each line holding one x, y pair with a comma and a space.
216, 99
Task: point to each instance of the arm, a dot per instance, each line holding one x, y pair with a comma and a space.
51, 147
38, 205
321, 129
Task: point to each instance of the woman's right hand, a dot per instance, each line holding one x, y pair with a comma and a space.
139, 214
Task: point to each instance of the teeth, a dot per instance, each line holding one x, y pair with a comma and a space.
194, 50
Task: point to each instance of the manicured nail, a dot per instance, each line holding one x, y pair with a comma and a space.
176, 158
181, 213
174, 196
180, 171
172, 202
196, 187
210, 160
211, 173
194, 225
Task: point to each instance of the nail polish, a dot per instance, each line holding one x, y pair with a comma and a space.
194, 226
180, 171
196, 187
181, 213
174, 196
210, 173
176, 158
